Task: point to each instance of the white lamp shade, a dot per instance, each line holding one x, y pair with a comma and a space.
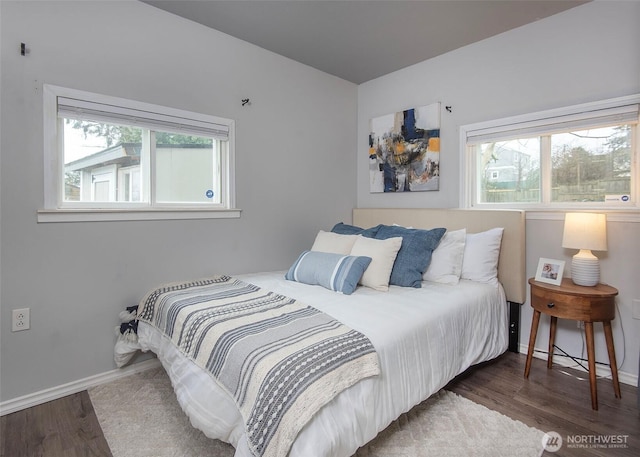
585, 231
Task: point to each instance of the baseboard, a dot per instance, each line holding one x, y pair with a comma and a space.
601, 370
53, 393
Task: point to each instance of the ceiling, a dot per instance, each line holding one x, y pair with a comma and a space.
360, 40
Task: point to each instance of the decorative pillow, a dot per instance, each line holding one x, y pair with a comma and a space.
340, 273
446, 259
333, 242
415, 254
383, 253
481, 252
346, 229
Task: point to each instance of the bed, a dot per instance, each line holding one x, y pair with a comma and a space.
423, 335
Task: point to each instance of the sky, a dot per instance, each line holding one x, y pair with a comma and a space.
77, 146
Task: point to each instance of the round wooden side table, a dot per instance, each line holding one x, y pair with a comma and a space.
586, 304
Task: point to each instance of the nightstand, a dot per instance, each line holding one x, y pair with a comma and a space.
586, 304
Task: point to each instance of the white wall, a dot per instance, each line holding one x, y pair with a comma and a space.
588, 53
295, 173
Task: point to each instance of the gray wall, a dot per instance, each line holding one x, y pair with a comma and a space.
296, 150
295, 173
588, 53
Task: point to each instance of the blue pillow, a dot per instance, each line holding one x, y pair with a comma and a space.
337, 272
346, 229
414, 255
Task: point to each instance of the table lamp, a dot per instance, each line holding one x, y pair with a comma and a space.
586, 232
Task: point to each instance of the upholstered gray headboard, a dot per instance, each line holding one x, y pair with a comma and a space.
511, 264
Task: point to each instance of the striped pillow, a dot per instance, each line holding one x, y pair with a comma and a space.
336, 272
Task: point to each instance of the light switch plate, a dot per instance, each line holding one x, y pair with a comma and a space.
636, 309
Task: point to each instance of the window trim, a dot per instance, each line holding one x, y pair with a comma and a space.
468, 186
55, 211
107, 215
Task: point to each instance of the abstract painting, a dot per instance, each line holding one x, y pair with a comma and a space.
404, 150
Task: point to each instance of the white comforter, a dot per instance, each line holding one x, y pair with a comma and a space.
424, 338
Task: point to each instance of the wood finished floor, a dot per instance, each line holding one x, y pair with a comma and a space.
554, 400
549, 400
67, 427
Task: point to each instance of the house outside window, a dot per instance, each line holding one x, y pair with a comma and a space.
134, 160
585, 156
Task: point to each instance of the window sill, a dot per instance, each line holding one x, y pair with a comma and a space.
107, 215
613, 215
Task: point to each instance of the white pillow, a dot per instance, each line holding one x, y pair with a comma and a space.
446, 259
481, 252
333, 242
383, 254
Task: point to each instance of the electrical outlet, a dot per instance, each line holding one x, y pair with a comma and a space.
21, 320
635, 309
580, 324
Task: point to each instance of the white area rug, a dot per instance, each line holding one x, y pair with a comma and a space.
140, 417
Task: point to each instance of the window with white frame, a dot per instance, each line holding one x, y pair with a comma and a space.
584, 156
121, 156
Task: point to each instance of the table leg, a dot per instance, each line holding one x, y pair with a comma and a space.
608, 334
552, 340
532, 341
588, 329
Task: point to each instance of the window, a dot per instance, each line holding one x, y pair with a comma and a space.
584, 156
132, 160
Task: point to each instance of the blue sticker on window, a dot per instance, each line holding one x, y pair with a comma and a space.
209, 193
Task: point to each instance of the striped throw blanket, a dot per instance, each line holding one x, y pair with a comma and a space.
279, 359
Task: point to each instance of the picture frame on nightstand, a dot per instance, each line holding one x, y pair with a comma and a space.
550, 271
